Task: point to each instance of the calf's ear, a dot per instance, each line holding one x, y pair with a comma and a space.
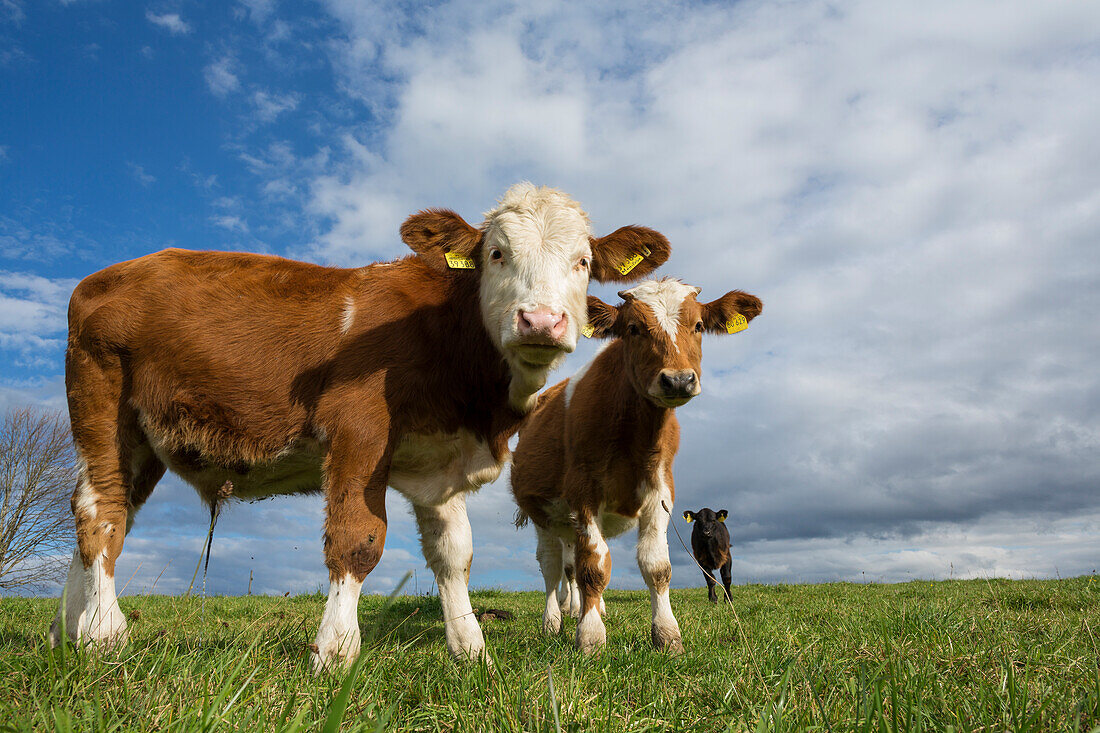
628, 254
732, 312
689, 517
722, 514
442, 238
601, 318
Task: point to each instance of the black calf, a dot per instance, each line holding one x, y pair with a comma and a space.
710, 542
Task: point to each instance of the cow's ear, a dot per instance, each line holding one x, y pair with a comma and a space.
442, 238
628, 254
731, 313
722, 514
601, 318
689, 517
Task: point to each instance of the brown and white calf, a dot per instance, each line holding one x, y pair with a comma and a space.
287, 377
595, 457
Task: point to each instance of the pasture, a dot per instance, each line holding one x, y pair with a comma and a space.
950, 655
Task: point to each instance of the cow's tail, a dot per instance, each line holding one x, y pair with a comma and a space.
521, 519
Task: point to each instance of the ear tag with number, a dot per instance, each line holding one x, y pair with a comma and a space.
458, 262
633, 260
737, 323
588, 330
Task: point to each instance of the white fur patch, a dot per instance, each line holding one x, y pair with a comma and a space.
349, 315
85, 500
71, 607
338, 636
104, 623
430, 469
541, 234
591, 632
447, 543
664, 297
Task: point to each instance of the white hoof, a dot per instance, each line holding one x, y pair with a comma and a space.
464, 638
551, 624
591, 633
106, 630
333, 658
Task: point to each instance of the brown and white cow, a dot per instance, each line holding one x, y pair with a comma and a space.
595, 457
287, 377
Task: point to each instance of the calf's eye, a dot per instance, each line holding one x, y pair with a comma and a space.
699, 327
496, 255
633, 330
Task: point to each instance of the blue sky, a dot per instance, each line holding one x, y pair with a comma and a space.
911, 188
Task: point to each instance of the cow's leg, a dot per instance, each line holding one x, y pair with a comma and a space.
727, 577
593, 574
448, 546
657, 573
355, 533
71, 614
105, 434
549, 554
711, 595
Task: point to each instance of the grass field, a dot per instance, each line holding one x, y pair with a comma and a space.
963, 655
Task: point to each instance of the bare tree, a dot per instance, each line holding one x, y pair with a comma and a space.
37, 475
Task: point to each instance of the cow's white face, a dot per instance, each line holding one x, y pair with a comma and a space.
534, 256
535, 262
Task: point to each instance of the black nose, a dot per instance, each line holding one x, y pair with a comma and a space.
681, 384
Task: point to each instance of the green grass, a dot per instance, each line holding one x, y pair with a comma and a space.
962, 655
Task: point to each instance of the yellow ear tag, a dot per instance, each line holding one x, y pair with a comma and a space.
687, 518
588, 331
633, 261
458, 262
737, 323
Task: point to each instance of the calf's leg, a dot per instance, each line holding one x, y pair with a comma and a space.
711, 595
593, 574
727, 577
106, 438
72, 612
549, 554
448, 547
657, 572
355, 533
572, 603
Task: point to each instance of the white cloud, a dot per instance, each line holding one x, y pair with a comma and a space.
270, 105
232, 223
220, 78
259, 10
171, 22
139, 174
33, 316
12, 11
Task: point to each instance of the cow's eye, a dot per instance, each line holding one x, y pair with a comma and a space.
582, 263
699, 327
633, 329
496, 255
